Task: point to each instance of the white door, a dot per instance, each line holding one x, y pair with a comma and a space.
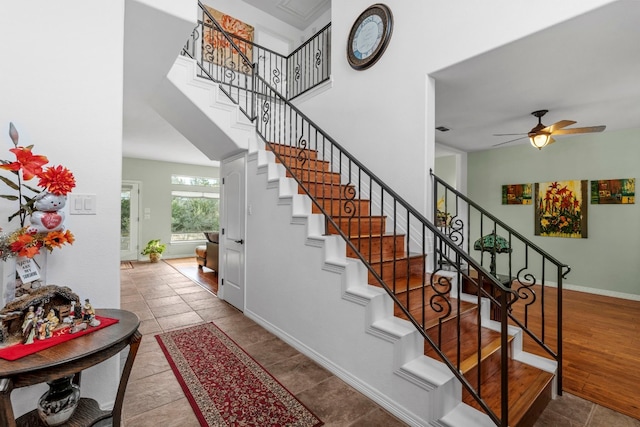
129, 221
232, 232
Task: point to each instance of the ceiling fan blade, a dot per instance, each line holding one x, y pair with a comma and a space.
506, 142
558, 125
588, 129
551, 140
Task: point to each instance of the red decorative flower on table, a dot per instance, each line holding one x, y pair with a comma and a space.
56, 180
29, 164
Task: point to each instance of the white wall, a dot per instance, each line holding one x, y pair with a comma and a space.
155, 195
62, 88
383, 114
607, 261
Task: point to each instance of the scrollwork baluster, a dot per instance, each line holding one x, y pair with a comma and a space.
302, 155
266, 115
349, 205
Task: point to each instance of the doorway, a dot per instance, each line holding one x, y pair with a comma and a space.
231, 286
129, 220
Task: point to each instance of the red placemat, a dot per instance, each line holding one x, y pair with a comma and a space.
16, 351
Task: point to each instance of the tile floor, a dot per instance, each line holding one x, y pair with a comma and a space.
164, 300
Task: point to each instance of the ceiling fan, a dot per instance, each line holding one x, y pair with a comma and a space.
541, 135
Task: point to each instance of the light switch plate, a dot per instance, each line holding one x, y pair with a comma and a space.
82, 204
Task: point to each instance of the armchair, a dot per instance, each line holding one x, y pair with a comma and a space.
207, 255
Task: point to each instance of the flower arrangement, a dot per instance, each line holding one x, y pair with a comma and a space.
46, 229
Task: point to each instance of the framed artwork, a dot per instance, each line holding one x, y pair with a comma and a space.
613, 191
561, 209
516, 194
216, 47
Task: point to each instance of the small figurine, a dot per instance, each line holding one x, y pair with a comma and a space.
51, 324
40, 312
78, 327
88, 312
29, 326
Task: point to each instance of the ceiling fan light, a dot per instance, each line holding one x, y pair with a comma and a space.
539, 140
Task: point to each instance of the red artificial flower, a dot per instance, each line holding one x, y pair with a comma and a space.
57, 180
31, 165
22, 246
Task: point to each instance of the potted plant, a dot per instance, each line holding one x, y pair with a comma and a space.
154, 249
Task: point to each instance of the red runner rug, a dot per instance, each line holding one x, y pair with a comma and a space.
227, 387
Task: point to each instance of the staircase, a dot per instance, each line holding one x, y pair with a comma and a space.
457, 334
432, 353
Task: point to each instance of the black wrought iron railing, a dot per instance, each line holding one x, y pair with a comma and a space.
306, 67
532, 273
232, 61
393, 240
222, 60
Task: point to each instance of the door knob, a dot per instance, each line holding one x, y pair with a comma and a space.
239, 241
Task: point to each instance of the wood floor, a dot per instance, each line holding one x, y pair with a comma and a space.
204, 276
601, 346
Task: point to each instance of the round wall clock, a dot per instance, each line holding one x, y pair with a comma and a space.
369, 36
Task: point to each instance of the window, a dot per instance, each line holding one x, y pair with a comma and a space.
195, 205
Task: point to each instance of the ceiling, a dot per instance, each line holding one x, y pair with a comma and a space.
586, 69
297, 13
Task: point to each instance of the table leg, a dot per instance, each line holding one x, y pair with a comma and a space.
134, 343
6, 410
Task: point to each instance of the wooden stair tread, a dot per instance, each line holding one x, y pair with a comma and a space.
413, 282
433, 318
487, 350
283, 149
530, 390
377, 259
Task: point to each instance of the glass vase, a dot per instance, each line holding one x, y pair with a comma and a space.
57, 405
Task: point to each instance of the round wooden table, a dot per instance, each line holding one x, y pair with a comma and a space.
71, 358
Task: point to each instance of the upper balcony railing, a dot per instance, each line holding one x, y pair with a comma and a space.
232, 62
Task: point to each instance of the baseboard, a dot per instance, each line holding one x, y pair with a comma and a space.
596, 291
393, 407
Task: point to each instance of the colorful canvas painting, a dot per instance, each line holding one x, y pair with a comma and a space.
217, 49
561, 209
613, 191
516, 194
